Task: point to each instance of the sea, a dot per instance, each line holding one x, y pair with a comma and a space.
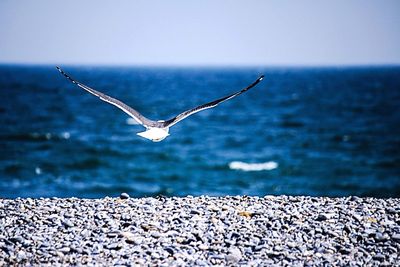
314, 131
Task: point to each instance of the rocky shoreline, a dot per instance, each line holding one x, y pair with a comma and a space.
200, 231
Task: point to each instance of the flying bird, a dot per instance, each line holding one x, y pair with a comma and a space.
156, 131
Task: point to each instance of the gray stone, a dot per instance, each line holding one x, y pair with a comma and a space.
174, 231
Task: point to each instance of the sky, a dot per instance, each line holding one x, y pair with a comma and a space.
207, 32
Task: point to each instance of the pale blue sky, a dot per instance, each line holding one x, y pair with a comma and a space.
210, 32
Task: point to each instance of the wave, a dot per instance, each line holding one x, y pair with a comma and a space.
35, 136
265, 166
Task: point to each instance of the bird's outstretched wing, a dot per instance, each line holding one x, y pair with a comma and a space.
127, 109
212, 104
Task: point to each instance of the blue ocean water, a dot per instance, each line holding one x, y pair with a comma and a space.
302, 131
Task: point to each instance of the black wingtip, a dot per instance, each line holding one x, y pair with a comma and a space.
59, 69
66, 75
261, 78
62, 72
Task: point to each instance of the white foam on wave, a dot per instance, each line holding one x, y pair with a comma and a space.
38, 171
66, 135
265, 166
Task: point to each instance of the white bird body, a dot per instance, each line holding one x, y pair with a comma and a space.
156, 131
155, 134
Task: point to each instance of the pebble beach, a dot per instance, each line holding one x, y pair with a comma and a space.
200, 231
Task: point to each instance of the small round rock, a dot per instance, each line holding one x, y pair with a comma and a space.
124, 196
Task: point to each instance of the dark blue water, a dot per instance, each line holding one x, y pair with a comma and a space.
319, 131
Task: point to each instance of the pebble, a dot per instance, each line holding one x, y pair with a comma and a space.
112, 234
391, 211
355, 198
64, 250
124, 196
396, 237
125, 217
16, 239
234, 255
170, 250
200, 231
68, 223
155, 234
21, 255
114, 246
322, 217
379, 257
194, 212
381, 237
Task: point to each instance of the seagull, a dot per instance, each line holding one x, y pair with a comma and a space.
156, 131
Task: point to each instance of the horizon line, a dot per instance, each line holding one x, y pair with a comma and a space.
163, 65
